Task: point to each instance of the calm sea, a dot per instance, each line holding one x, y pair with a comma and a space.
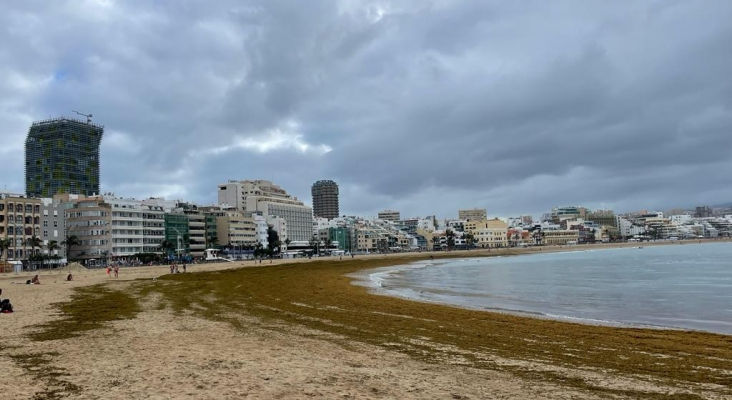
679, 286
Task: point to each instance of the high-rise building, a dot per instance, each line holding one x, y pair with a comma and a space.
325, 199
475, 214
62, 156
269, 200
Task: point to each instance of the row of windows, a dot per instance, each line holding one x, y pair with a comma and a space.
78, 214
20, 219
19, 230
12, 254
29, 208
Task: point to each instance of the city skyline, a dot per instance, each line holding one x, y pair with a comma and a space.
511, 111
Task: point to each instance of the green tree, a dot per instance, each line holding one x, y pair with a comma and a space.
4, 246
470, 240
166, 247
70, 242
52, 246
34, 242
314, 244
450, 239
212, 241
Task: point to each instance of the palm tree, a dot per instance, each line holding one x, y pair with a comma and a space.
34, 242
470, 240
52, 246
213, 241
450, 239
4, 246
166, 246
69, 243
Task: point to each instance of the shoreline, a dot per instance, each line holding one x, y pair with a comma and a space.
364, 278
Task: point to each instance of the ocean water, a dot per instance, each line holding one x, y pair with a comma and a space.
685, 286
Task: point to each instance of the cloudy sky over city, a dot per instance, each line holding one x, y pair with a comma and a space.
420, 106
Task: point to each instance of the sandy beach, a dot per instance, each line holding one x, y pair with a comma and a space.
169, 352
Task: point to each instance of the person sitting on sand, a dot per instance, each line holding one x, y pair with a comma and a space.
35, 281
69, 278
5, 306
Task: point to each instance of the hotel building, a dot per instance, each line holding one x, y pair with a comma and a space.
267, 199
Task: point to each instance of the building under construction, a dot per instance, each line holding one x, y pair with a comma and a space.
62, 156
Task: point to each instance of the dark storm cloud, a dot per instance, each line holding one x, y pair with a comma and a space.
424, 106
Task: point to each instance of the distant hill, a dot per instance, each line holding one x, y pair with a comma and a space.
725, 205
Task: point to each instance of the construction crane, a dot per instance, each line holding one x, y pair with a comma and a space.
88, 116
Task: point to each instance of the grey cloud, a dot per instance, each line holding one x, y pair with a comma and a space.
430, 106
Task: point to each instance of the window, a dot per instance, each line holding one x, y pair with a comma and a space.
11, 218
55, 224
55, 213
45, 224
45, 234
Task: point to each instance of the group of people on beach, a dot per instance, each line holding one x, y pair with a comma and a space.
110, 269
175, 270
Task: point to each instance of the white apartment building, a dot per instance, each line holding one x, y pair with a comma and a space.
153, 228
127, 226
266, 198
260, 230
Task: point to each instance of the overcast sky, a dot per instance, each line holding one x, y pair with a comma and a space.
419, 106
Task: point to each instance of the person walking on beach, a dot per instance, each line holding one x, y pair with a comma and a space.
109, 271
184, 268
172, 268
116, 271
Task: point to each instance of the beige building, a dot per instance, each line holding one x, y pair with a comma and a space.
20, 220
389, 215
90, 220
267, 199
475, 214
236, 229
490, 233
560, 237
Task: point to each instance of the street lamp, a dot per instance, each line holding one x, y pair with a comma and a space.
178, 241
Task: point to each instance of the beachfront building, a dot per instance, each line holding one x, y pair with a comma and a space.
53, 221
177, 232
389, 215
560, 237
490, 233
325, 199
236, 230
127, 226
20, 220
89, 219
62, 156
153, 228
267, 199
261, 231
474, 214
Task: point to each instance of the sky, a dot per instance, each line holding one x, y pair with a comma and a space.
421, 106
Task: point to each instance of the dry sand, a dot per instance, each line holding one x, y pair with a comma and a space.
159, 355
